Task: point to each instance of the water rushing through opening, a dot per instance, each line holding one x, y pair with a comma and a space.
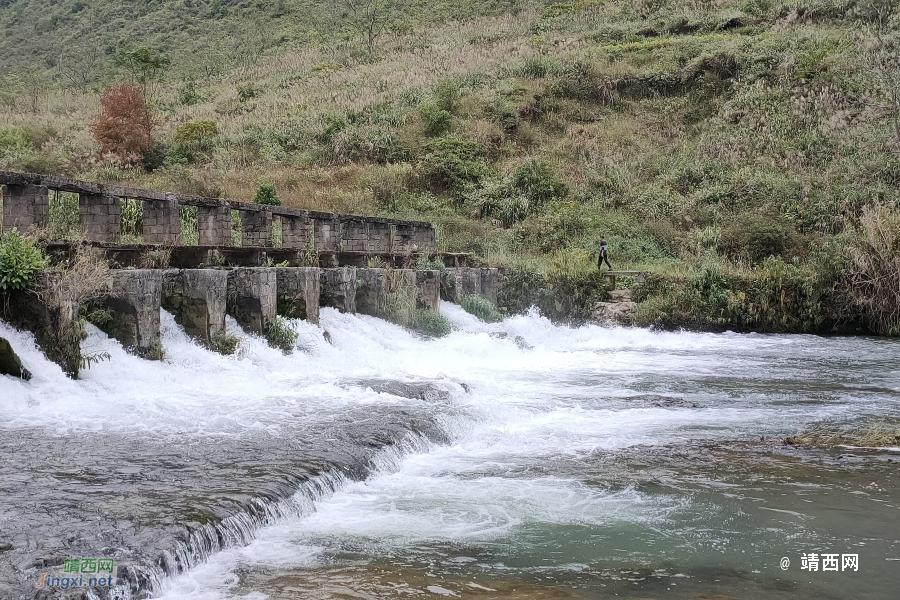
549, 462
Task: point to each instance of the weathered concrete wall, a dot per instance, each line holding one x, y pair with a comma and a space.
298, 291
214, 225
50, 315
428, 290
197, 299
339, 289
162, 221
464, 281
134, 297
100, 217
256, 228
24, 207
252, 297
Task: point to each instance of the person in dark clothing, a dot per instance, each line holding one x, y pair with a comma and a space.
604, 254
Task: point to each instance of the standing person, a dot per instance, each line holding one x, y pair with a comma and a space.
604, 254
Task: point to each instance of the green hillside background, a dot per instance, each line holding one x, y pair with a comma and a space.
743, 151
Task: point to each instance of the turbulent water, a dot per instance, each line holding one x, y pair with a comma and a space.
514, 460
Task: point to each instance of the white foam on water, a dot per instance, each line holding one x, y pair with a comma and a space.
561, 393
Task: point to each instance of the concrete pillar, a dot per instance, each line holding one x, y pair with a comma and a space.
252, 298
162, 221
256, 228
327, 232
298, 292
100, 217
196, 297
428, 290
295, 232
339, 288
214, 225
25, 207
354, 234
134, 298
376, 288
379, 236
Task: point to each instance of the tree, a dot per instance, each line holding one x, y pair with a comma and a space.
369, 18
146, 66
79, 65
121, 130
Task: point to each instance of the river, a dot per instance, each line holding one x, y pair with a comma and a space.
513, 460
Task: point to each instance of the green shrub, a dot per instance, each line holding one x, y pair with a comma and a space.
196, 131
446, 96
758, 237
482, 308
225, 343
281, 335
437, 121
429, 322
452, 162
266, 194
20, 259
777, 297
539, 183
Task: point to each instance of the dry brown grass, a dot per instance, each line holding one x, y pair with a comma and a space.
876, 269
877, 434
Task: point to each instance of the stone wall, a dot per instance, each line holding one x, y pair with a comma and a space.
162, 221
25, 207
100, 217
214, 225
460, 282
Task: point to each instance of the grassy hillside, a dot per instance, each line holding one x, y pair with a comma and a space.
729, 146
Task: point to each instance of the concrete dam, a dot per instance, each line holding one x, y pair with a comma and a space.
350, 263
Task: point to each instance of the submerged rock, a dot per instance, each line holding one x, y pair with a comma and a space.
10, 363
414, 391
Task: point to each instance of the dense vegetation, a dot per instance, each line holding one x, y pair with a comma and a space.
731, 147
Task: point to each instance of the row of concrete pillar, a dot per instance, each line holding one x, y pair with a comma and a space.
27, 205
200, 298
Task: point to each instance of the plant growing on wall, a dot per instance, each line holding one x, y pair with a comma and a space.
20, 259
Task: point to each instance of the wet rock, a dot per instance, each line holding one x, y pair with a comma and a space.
499, 335
10, 363
662, 401
414, 391
619, 313
522, 344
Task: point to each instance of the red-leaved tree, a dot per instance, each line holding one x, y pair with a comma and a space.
123, 128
